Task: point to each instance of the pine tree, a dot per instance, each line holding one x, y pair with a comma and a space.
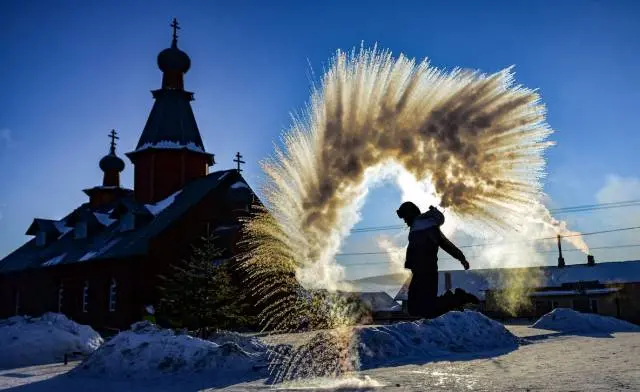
200, 292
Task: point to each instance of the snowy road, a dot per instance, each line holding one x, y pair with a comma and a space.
552, 362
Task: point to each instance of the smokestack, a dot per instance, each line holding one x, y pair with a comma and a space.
560, 258
447, 281
591, 261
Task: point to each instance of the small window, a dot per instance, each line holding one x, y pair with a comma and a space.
81, 230
112, 295
127, 222
60, 296
41, 238
594, 306
85, 297
17, 302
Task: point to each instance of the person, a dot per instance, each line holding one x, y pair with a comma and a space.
425, 238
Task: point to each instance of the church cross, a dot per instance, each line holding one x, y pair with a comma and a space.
239, 160
113, 135
176, 27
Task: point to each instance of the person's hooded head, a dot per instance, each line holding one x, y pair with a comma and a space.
409, 212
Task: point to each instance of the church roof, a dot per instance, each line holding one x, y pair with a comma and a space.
108, 241
171, 123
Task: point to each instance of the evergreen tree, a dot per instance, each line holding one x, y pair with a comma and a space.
201, 292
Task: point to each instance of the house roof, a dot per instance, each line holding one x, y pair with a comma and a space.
378, 300
107, 241
478, 281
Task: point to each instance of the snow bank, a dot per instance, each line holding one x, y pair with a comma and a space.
341, 351
246, 343
147, 351
457, 332
568, 320
28, 341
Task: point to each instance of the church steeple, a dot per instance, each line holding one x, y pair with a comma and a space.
111, 166
170, 151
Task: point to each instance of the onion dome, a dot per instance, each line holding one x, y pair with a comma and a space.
173, 60
111, 162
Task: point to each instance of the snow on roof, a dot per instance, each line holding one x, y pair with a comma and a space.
478, 281
97, 252
172, 145
239, 185
103, 219
87, 256
54, 260
557, 293
62, 228
158, 207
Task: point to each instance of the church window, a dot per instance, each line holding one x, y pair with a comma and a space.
112, 295
60, 296
41, 238
127, 222
81, 230
85, 297
17, 302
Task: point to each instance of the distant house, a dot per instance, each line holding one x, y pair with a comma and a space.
378, 301
99, 264
611, 289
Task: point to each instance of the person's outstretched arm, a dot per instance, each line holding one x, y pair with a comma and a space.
453, 250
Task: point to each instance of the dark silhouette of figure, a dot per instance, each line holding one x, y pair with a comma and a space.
425, 238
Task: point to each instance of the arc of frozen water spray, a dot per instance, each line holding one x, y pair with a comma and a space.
480, 139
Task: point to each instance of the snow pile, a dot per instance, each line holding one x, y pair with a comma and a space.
147, 351
30, 341
338, 352
458, 332
246, 343
568, 320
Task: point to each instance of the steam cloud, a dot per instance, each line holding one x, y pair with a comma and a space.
478, 139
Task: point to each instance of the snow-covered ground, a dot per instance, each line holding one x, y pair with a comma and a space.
149, 352
30, 341
568, 320
448, 358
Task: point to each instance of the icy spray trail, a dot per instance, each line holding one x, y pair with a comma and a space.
477, 139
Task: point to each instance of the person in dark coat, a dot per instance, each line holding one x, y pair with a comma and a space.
425, 238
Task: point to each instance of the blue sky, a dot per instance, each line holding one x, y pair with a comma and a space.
73, 70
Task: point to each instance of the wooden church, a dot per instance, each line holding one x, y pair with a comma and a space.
99, 265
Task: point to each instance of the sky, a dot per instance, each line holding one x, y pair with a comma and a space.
71, 71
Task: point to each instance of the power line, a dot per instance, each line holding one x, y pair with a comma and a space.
510, 243
545, 251
562, 210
